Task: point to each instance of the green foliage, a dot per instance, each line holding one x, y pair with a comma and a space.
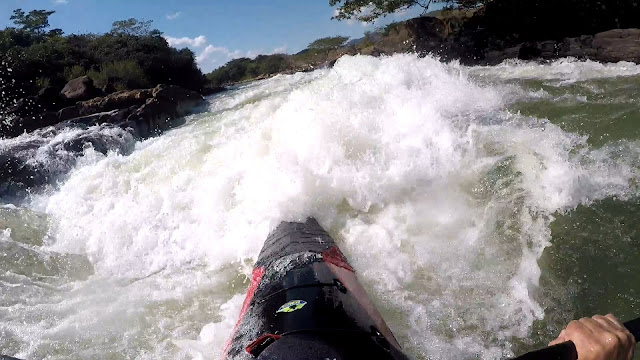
369, 11
35, 22
390, 27
134, 27
122, 75
73, 72
43, 82
123, 58
328, 43
245, 69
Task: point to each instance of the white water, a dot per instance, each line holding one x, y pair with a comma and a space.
440, 197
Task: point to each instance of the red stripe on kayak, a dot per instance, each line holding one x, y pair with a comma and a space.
256, 277
334, 256
260, 343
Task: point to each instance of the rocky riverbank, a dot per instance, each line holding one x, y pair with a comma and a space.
463, 38
144, 112
430, 35
54, 128
477, 47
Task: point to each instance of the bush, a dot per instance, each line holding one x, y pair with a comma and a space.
246, 69
73, 72
43, 82
122, 75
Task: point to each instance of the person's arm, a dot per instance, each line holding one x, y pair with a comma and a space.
599, 338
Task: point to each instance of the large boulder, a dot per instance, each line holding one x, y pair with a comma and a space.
427, 34
80, 89
50, 99
118, 100
14, 126
182, 99
167, 104
17, 175
618, 45
26, 106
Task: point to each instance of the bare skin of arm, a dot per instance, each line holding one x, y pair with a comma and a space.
599, 338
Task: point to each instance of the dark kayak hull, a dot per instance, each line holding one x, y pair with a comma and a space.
305, 302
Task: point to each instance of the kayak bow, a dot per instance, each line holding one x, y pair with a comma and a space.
305, 302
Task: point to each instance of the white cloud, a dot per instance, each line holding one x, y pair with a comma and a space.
215, 56
196, 42
60, 2
253, 53
210, 57
174, 16
281, 50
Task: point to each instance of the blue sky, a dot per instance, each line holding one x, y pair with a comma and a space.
216, 30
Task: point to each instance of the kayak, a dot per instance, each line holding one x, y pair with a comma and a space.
305, 302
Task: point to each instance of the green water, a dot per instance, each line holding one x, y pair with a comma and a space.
593, 264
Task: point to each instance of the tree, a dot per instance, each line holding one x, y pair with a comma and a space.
35, 22
328, 43
370, 10
134, 27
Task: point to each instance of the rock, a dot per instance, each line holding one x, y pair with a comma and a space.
572, 47
18, 125
50, 99
100, 144
208, 91
182, 99
548, 49
109, 89
168, 103
42, 158
16, 175
529, 51
330, 64
118, 100
427, 34
495, 57
371, 51
80, 89
153, 109
27, 106
68, 113
618, 45
39, 121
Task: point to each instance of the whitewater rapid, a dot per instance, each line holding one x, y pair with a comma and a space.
440, 196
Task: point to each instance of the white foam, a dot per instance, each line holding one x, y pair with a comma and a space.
440, 198
567, 70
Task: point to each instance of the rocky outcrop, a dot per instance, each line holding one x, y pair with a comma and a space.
617, 45
80, 89
146, 112
610, 46
103, 124
48, 99
44, 156
453, 39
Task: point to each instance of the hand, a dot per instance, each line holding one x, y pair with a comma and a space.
599, 338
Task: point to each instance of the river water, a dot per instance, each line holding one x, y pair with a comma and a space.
483, 207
